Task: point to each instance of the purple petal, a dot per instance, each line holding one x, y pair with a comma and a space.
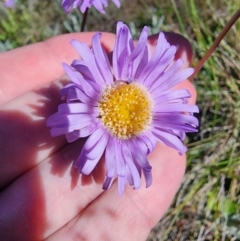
9, 3
85, 69
132, 168
99, 5
133, 60
62, 120
121, 185
110, 157
73, 93
72, 136
101, 60
110, 164
117, 3
123, 47
148, 178
129, 177
162, 64
107, 183
72, 74
88, 59
139, 154
172, 95
178, 78
73, 108
76, 3
67, 5
57, 131
84, 132
150, 140
161, 47
177, 118
89, 145
175, 107
93, 139
120, 165
89, 166
169, 140
88, 87
119, 27
81, 160
98, 148
83, 50
174, 126
142, 64
85, 4
90, 72
180, 134
168, 74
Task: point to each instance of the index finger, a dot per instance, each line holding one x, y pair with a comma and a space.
28, 67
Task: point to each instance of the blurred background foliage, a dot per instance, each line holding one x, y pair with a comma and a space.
207, 206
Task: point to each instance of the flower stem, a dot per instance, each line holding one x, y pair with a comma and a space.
199, 65
84, 20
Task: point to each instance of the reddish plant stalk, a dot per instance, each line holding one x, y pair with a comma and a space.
215, 44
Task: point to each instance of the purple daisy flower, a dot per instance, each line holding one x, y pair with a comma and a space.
9, 3
67, 5
124, 109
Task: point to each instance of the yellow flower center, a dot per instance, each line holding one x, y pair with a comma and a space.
126, 109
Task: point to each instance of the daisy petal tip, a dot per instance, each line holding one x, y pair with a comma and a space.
65, 66
107, 183
120, 193
121, 185
120, 24
197, 111
148, 180
145, 29
97, 35
191, 70
75, 43
180, 61
183, 151
136, 187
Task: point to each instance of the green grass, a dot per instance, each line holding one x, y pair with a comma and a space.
207, 207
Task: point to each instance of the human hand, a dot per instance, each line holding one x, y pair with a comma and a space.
42, 196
